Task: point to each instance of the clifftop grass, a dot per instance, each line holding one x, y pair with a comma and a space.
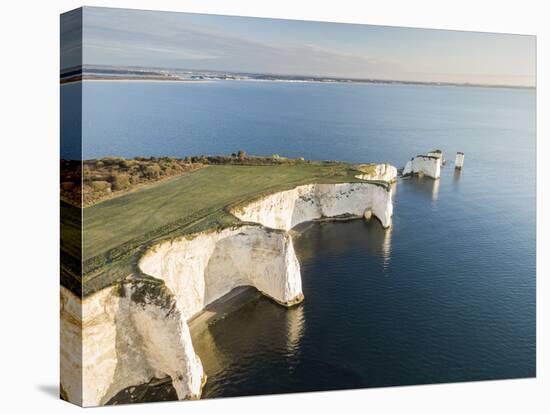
115, 231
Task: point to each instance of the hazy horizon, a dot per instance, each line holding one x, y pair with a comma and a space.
185, 41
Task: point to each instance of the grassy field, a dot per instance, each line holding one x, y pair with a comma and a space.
115, 230
71, 247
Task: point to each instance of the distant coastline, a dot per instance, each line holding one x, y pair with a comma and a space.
108, 73
77, 79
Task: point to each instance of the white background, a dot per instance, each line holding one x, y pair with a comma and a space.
29, 211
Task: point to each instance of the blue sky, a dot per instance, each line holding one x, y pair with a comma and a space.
194, 41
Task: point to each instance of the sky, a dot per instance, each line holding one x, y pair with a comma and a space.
122, 37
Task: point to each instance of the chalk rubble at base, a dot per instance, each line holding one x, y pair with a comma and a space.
138, 330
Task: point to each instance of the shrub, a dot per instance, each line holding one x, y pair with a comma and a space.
128, 163
101, 185
176, 168
152, 171
121, 182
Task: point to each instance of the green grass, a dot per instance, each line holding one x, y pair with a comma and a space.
71, 247
116, 230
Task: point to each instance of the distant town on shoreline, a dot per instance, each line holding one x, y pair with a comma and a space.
105, 72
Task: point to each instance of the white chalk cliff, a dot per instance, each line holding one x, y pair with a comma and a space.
380, 172
138, 330
424, 165
200, 270
437, 154
459, 160
122, 336
286, 209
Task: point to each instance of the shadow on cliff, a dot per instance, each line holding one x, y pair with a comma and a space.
134, 379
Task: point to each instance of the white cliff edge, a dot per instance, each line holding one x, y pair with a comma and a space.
379, 172
423, 165
287, 209
138, 330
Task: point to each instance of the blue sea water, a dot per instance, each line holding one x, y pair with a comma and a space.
448, 294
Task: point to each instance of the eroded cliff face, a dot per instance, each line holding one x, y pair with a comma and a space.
424, 164
287, 209
137, 330
130, 334
204, 268
70, 346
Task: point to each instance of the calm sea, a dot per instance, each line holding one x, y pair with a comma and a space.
448, 294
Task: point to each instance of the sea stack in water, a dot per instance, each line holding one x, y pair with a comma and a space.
459, 160
438, 154
424, 165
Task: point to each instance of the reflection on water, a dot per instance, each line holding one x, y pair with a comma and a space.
456, 177
261, 330
313, 236
386, 247
425, 185
295, 323
435, 189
